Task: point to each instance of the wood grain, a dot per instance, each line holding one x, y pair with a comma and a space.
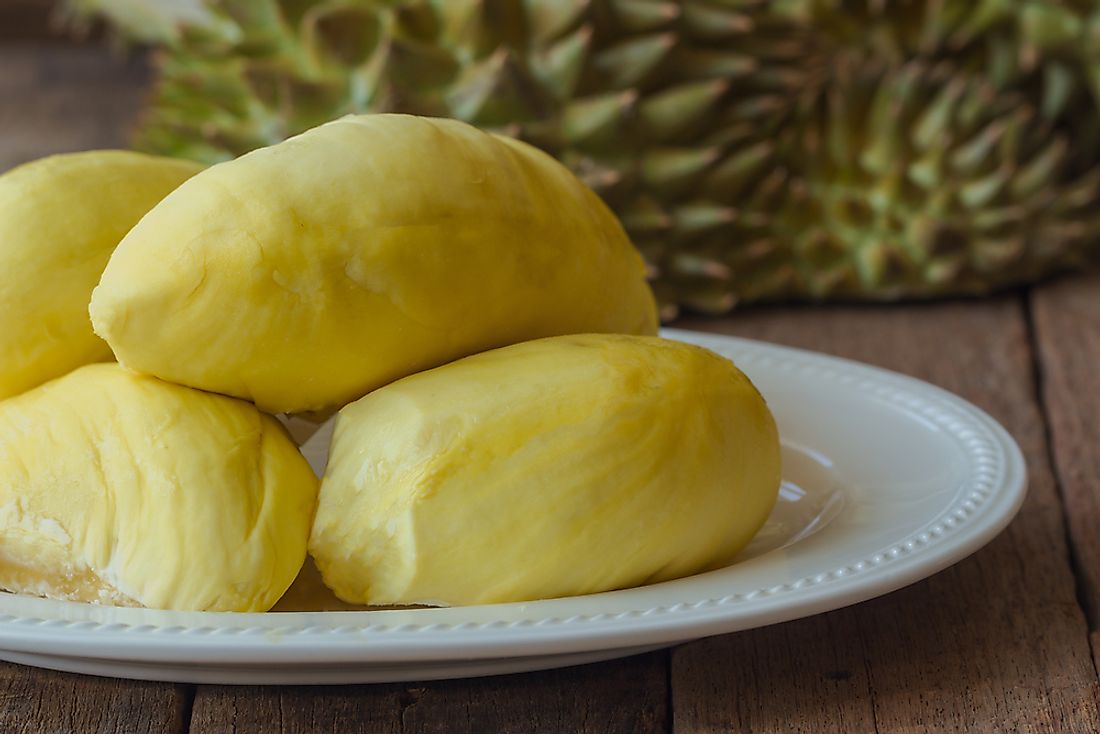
28, 20
1067, 325
627, 696
58, 99
36, 701
808, 676
995, 643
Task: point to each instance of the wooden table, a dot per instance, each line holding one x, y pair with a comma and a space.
1004, 641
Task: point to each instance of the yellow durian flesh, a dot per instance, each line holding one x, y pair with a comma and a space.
561, 466
122, 489
60, 218
303, 275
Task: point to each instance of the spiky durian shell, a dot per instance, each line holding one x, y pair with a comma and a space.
912, 181
755, 149
1049, 50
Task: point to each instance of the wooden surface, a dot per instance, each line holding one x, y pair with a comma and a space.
999, 642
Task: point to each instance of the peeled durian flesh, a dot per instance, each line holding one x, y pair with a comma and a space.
121, 489
303, 275
60, 219
561, 466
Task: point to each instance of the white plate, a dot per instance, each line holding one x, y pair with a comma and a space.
886, 480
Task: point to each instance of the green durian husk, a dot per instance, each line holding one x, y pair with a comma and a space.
755, 150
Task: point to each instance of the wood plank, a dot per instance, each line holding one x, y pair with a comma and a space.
995, 643
628, 696
45, 702
59, 99
808, 676
28, 20
1066, 316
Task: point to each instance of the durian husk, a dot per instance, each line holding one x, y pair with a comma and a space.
911, 181
755, 150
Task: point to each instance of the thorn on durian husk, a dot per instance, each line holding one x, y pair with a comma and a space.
597, 119
697, 265
669, 114
715, 23
640, 16
693, 220
550, 19
497, 91
707, 63
560, 65
629, 63
671, 169
739, 170
344, 36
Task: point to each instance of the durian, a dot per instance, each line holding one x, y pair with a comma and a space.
915, 181
700, 122
121, 489
60, 219
303, 275
560, 466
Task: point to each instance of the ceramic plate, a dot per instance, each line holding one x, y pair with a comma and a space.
886, 480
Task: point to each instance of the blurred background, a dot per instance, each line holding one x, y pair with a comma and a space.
755, 150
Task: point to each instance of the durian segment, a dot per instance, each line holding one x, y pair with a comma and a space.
561, 466
121, 489
60, 218
304, 275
